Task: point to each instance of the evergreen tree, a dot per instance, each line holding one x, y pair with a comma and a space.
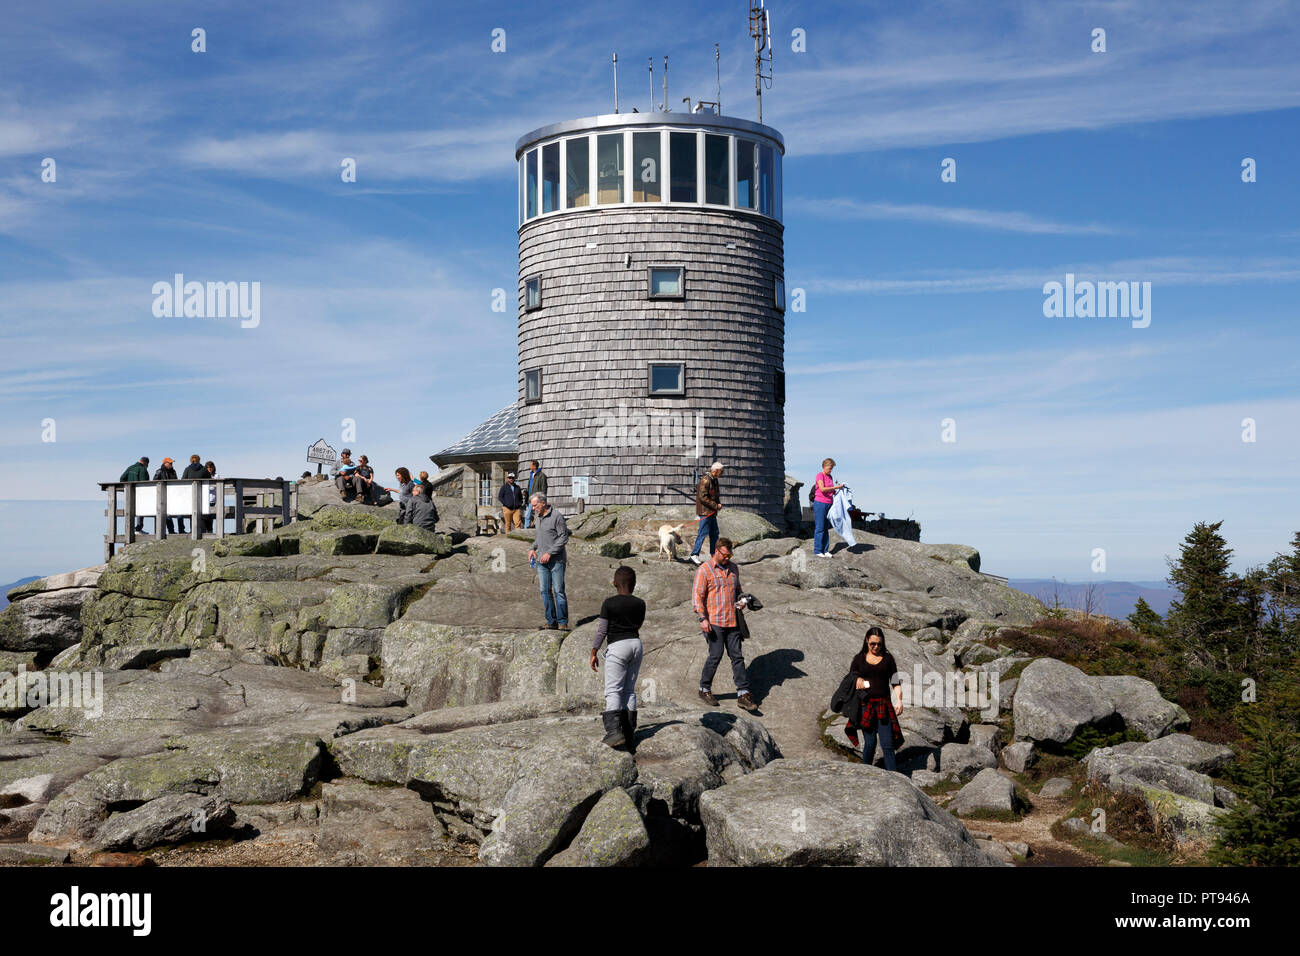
1264, 829
1145, 620
1205, 622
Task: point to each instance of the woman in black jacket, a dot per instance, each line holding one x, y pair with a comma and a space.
882, 699
167, 472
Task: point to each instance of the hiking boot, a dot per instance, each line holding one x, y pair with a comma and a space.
695, 559
629, 728
708, 698
614, 735
564, 626
746, 700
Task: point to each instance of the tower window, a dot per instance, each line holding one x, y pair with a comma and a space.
532, 385
667, 282
551, 177
579, 174
609, 167
682, 154
645, 167
667, 378
778, 387
716, 160
532, 293
778, 293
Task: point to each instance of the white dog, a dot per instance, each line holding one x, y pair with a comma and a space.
669, 539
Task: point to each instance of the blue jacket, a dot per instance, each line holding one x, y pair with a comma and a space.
839, 515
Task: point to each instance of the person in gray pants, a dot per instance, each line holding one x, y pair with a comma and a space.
619, 623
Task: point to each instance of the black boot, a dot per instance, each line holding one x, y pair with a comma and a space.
629, 728
614, 734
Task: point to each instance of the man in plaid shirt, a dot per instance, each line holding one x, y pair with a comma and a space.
717, 593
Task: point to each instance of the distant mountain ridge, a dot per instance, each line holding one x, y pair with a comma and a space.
1115, 599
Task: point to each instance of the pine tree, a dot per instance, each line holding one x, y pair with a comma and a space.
1145, 620
1206, 620
1264, 829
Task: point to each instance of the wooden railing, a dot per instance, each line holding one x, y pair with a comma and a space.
214, 500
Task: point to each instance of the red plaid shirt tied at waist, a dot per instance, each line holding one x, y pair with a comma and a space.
716, 591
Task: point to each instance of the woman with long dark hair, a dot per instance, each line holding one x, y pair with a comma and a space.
882, 699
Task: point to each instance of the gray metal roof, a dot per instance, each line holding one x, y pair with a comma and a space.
497, 439
611, 121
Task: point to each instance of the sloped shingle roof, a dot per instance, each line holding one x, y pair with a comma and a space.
497, 439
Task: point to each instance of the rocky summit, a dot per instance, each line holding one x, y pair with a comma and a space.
383, 694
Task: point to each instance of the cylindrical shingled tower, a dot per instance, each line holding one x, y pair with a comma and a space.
652, 309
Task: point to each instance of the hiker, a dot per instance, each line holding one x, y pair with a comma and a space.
511, 497
343, 474
708, 501
715, 598
404, 490
549, 555
536, 485
824, 488
882, 700
619, 623
419, 511
364, 481
425, 485
167, 472
210, 472
195, 469
137, 471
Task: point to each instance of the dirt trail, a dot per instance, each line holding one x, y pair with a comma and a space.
1035, 828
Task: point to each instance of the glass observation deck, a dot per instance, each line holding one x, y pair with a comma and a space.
699, 160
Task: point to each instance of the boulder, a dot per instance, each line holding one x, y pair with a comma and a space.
1055, 787
171, 818
612, 835
985, 735
1131, 771
341, 541
1054, 701
1142, 708
1019, 756
989, 791
964, 760
1187, 751
411, 539
45, 615
807, 812
367, 825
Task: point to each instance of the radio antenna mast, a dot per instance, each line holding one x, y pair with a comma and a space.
666, 109
615, 82
652, 83
717, 62
760, 28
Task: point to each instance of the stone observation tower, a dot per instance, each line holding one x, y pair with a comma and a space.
652, 308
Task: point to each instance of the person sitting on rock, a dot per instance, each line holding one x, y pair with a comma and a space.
405, 488
619, 623
877, 676
364, 481
420, 512
343, 474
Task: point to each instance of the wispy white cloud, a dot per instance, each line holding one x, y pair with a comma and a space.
844, 208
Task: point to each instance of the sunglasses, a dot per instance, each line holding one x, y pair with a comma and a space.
876, 644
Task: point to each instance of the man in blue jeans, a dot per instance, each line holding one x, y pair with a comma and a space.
708, 501
548, 552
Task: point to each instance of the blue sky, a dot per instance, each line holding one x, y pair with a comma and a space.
924, 298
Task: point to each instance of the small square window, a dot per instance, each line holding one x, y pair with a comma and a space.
667, 282
778, 293
778, 387
532, 293
532, 385
667, 378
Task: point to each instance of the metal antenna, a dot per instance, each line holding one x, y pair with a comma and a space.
717, 62
652, 83
615, 82
666, 109
760, 28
